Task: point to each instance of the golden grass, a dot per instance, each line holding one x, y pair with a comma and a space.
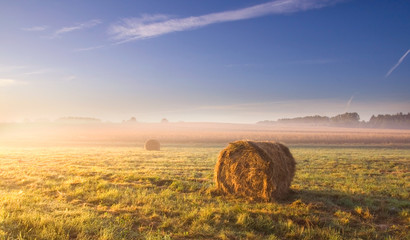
129, 193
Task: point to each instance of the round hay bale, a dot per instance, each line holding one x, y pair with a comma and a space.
152, 145
255, 170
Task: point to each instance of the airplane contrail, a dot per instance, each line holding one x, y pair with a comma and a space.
397, 64
348, 103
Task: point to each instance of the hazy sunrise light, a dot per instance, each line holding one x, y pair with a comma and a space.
238, 62
204, 119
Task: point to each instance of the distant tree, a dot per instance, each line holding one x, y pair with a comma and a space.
398, 120
346, 119
132, 120
78, 120
266, 122
310, 120
352, 119
164, 120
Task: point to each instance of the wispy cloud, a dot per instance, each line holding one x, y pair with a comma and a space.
313, 61
270, 106
349, 103
257, 111
397, 64
76, 27
21, 71
10, 68
232, 65
10, 82
35, 28
151, 26
88, 49
39, 71
70, 78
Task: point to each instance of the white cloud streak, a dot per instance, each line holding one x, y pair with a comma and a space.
152, 26
70, 78
35, 28
257, 111
80, 26
36, 72
397, 64
313, 61
10, 82
88, 49
10, 68
15, 70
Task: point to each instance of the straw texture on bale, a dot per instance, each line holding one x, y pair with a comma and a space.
255, 170
152, 145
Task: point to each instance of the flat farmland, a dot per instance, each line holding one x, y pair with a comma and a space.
93, 192
135, 134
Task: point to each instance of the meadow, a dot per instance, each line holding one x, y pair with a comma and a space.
89, 192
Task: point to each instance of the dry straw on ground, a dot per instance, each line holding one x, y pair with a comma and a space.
255, 170
152, 144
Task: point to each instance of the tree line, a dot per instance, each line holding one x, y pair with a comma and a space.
351, 119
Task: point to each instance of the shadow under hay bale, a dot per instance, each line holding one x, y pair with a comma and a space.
152, 145
255, 170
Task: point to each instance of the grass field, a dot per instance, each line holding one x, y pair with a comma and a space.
129, 193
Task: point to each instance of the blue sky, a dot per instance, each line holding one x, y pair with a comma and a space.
222, 61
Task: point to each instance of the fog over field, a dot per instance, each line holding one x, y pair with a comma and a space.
132, 133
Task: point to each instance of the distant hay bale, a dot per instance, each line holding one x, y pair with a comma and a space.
152, 144
255, 170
